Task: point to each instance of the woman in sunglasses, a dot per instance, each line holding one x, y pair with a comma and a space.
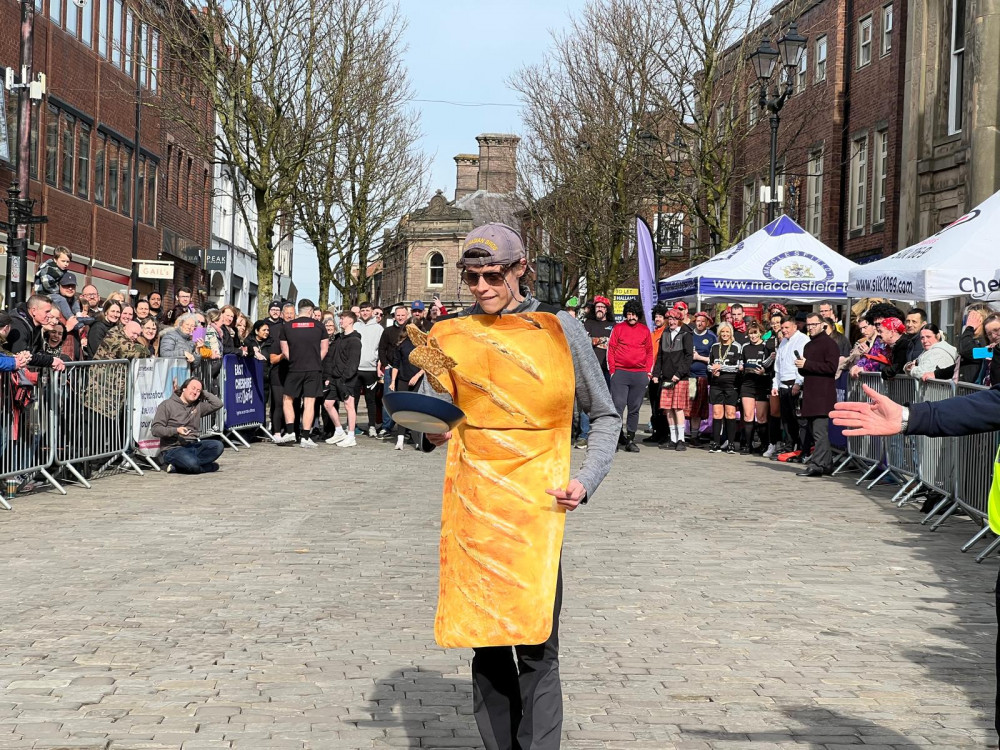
515, 367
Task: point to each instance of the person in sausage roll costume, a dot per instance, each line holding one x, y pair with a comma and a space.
514, 366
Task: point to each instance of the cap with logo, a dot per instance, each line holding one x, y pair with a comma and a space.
499, 245
68, 279
417, 305
275, 304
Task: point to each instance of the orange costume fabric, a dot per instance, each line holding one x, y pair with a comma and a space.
501, 534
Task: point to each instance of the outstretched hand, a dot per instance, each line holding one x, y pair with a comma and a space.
882, 416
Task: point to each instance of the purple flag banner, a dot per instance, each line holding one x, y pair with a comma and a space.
647, 269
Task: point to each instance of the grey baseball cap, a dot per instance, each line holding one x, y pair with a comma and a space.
501, 243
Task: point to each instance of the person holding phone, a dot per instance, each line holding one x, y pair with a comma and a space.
177, 423
970, 369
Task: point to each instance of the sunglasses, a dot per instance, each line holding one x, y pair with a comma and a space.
493, 278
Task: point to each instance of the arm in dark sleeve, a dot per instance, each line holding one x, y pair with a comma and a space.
824, 364
383, 349
159, 426
685, 368
354, 354
967, 342
658, 362
954, 417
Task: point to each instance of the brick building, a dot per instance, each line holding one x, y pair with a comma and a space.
840, 133
88, 175
418, 260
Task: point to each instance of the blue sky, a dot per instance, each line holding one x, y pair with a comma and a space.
463, 52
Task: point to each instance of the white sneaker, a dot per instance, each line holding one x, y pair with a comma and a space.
771, 449
372, 432
348, 442
284, 438
307, 443
336, 437
399, 443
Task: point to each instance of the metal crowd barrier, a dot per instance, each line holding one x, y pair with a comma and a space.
959, 469
27, 431
94, 416
211, 381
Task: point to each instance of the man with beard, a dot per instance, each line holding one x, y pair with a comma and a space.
630, 360
657, 420
155, 309
418, 316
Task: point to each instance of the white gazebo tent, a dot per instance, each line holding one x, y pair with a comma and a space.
960, 260
781, 262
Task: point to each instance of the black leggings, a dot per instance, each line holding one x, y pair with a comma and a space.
628, 389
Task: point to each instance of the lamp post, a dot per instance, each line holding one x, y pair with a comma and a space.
791, 46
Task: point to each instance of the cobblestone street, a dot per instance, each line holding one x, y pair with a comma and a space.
711, 602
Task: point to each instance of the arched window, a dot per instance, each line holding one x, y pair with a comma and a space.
435, 270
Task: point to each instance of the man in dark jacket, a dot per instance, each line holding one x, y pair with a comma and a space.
954, 417
340, 374
818, 365
26, 332
671, 372
183, 305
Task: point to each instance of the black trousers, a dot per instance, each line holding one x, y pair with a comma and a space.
365, 379
819, 429
627, 390
517, 693
795, 426
277, 407
661, 427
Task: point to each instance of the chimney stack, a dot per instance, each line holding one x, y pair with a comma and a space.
497, 162
467, 175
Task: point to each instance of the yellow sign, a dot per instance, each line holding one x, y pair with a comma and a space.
618, 299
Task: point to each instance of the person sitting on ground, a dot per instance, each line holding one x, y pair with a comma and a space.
938, 359
177, 424
178, 342
50, 273
340, 373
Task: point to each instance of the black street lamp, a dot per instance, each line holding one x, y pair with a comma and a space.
790, 49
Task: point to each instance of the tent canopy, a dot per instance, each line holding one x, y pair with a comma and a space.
960, 260
780, 262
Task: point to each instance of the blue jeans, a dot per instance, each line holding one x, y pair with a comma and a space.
195, 458
387, 424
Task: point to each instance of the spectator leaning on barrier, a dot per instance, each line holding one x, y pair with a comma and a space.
818, 366
107, 385
9, 362
938, 357
177, 342
26, 332
893, 333
151, 336
973, 337
177, 423
991, 327
370, 332
953, 417
915, 319
111, 316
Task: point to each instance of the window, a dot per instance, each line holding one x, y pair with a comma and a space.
170, 164
154, 59
72, 18
99, 170
753, 106
749, 206
51, 145
102, 28
435, 270
864, 41
881, 176
673, 234
151, 196
55, 11
68, 141
800, 83
126, 171
9, 149
140, 189
859, 183
83, 161
116, 33
814, 194
129, 40
35, 127
956, 78
112, 203
886, 30
189, 203
821, 59
142, 54
87, 25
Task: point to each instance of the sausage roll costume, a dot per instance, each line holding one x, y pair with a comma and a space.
501, 534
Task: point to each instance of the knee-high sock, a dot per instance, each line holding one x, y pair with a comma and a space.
717, 431
748, 428
774, 430
731, 431
762, 430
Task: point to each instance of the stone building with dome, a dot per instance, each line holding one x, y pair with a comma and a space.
418, 259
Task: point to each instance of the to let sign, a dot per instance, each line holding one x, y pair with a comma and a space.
156, 270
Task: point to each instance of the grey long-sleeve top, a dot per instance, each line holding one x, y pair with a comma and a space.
592, 396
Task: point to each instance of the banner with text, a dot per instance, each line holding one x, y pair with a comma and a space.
154, 382
243, 391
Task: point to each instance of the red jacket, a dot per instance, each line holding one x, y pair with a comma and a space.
630, 348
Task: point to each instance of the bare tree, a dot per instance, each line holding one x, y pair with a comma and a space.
581, 164
370, 170
255, 63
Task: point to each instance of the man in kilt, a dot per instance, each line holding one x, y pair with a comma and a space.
671, 371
